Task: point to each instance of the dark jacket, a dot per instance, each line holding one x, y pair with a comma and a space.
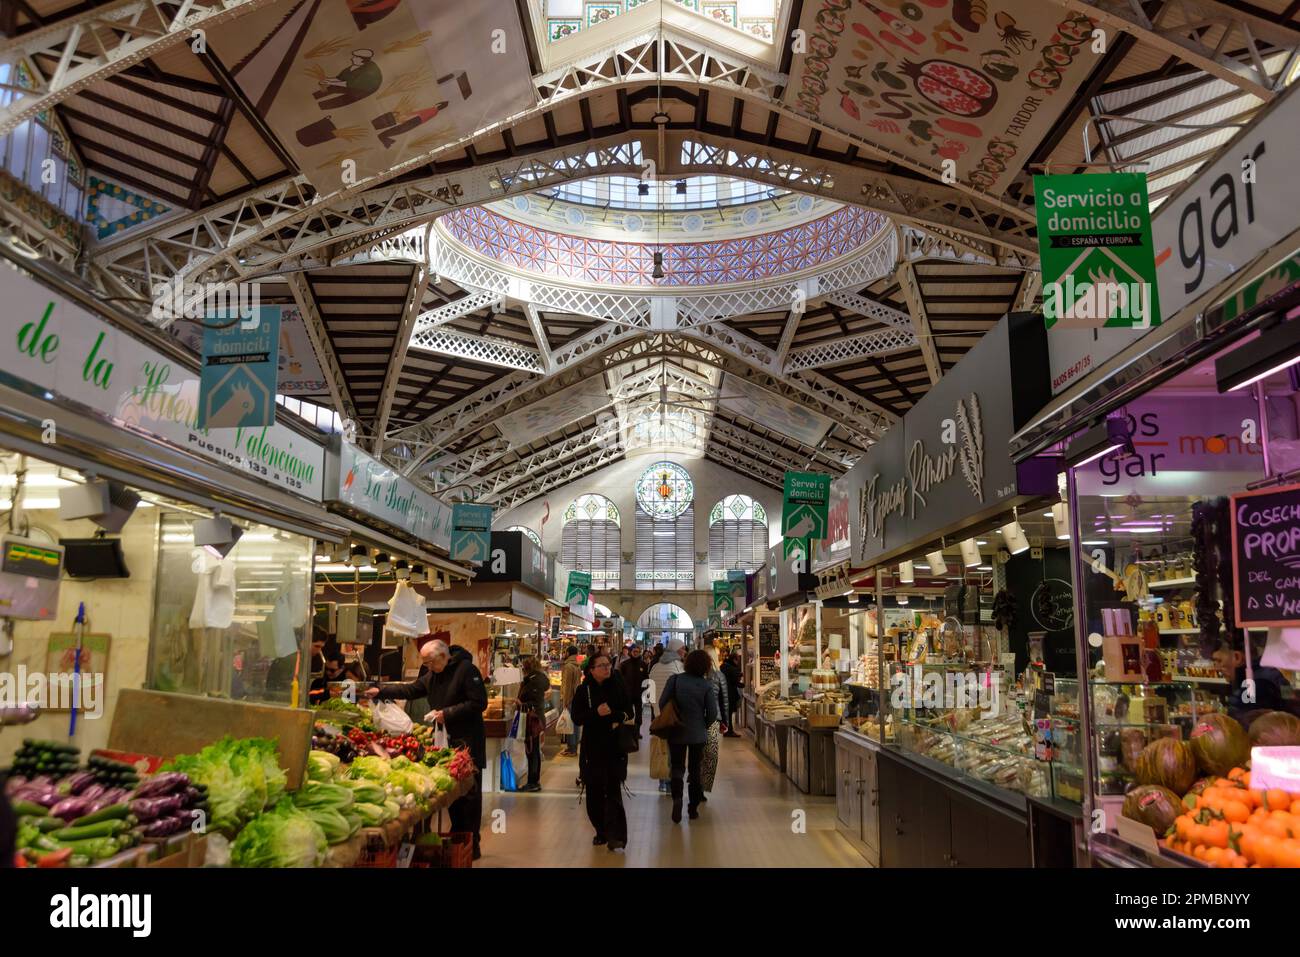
533, 692
458, 692
599, 739
735, 681
697, 707
634, 673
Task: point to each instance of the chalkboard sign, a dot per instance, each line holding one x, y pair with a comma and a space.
1266, 557
769, 638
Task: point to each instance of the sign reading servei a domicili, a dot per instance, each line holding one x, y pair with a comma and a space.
1266, 557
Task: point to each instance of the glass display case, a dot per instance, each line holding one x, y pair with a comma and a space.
236, 626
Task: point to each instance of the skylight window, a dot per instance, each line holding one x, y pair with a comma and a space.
756, 18
700, 192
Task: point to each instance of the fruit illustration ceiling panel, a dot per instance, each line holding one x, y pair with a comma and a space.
978, 82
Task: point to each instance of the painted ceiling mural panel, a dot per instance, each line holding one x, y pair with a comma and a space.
975, 81
772, 411
377, 82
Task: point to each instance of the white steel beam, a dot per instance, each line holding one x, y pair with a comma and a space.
320, 341
872, 309
397, 359
792, 320
92, 46
842, 349
907, 281
1177, 28
456, 309
486, 349
539, 336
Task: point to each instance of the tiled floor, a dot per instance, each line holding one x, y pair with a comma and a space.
749, 820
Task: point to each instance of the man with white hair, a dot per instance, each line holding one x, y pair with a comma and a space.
667, 666
458, 698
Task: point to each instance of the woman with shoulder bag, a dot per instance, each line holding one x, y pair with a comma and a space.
532, 703
695, 702
601, 708
669, 664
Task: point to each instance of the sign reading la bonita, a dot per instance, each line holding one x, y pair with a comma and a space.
67, 351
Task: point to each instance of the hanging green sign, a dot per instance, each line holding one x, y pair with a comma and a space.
1096, 252
807, 505
471, 532
722, 598
578, 593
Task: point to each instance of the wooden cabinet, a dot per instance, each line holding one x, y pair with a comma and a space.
856, 794
925, 821
796, 758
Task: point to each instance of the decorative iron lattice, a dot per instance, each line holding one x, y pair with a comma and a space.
484, 349
456, 309
843, 349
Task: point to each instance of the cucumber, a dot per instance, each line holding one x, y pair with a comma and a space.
84, 832
29, 808
49, 824
114, 812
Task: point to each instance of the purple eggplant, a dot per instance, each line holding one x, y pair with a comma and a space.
155, 808
13, 783
94, 791
165, 827
46, 797
72, 808
108, 798
79, 782
193, 796
161, 784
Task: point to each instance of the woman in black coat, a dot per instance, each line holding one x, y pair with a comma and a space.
532, 703
600, 706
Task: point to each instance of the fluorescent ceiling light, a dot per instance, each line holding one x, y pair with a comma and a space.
1277, 348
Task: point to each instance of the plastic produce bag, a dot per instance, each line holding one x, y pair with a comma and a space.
507, 773
564, 723
407, 617
390, 718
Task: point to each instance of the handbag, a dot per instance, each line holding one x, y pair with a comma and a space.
660, 765
667, 722
629, 736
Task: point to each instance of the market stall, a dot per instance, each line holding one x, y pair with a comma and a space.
1180, 461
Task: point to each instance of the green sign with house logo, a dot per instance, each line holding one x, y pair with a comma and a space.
471, 532
241, 363
578, 593
805, 512
722, 597
1096, 251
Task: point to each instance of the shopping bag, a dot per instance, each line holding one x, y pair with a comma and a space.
391, 718
660, 769
506, 771
439, 733
564, 723
517, 746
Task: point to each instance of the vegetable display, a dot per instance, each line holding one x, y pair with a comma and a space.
1231, 825
1169, 763
282, 837
1220, 744
242, 776
1275, 729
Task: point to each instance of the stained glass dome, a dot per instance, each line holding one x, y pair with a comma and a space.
665, 490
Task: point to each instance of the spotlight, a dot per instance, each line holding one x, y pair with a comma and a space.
970, 553
901, 599
359, 556
383, 564
339, 553
1099, 441
1277, 348
643, 188
402, 569
937, 565
1015, 538
108, 504
217, 534
418, 576
905, 574
658, 271
1061, 519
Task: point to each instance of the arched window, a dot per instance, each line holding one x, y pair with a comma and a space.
737, 536
665, 529
591, 539
537, 539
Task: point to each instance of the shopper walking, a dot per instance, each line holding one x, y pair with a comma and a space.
532, 704
669, 664
600, 706
634, 673
697, 708
570, 678
713, 741
458, 699
656, 654
735, 676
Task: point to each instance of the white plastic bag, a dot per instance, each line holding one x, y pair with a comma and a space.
439, 733
390, 718
564, 723
517, 746
407, 616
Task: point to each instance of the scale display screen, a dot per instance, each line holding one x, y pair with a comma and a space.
22, 557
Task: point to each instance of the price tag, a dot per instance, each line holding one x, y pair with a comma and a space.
405, 854
1139, 834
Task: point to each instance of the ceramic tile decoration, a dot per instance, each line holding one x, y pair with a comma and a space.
722, 12
600, 12
559, 29
606, 262
564, 18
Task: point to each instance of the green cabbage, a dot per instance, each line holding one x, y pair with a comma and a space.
332, 823
368, 791
321, 765
283, 837
372, 815
370, 766
329, 797
242, 775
